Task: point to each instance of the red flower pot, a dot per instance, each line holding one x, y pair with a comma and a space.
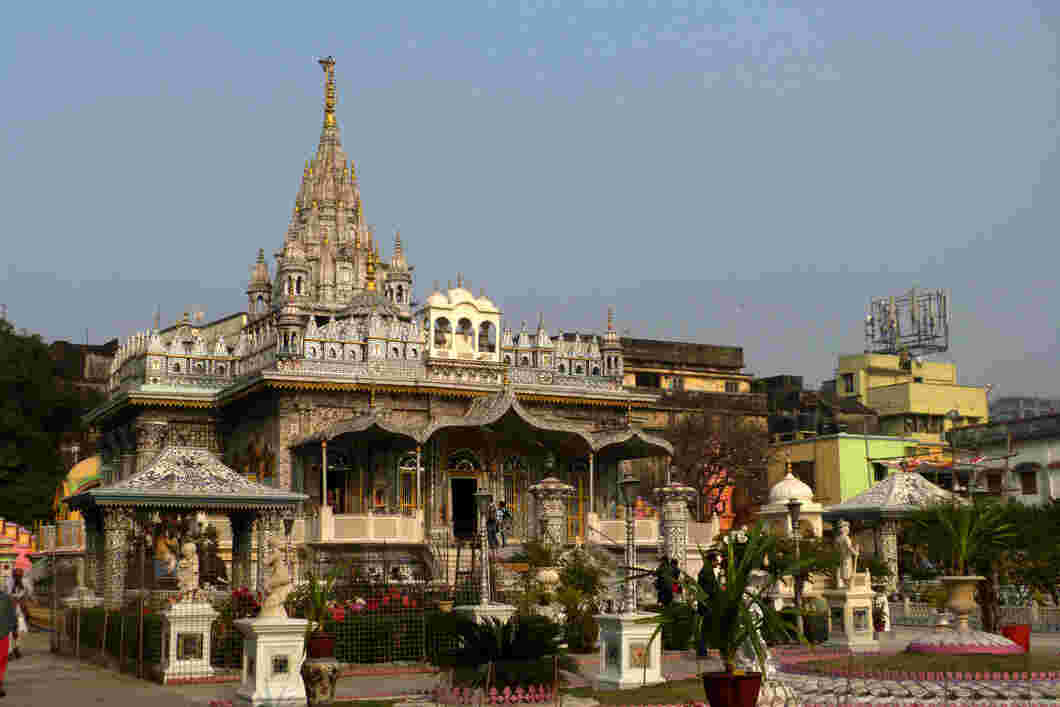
321, 645
731, 690
1018, 633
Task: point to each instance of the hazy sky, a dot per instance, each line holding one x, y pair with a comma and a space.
722, 172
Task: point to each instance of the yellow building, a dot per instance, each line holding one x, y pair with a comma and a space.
912, 397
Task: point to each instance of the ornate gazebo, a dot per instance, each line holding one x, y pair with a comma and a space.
887, 503
182, 481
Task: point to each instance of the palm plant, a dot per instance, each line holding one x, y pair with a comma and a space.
958, 533
738, 613
524, 650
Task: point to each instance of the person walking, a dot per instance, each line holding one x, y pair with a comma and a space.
708, 582
9, 631
19, 591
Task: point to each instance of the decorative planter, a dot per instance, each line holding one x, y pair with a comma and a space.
320, 645
320, 676
732, 689
960, 597
549, 578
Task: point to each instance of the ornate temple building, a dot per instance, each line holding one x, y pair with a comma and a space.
388, 413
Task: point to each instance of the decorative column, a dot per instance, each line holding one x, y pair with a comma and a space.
116, 525
673, 501
550, 497
592, 488
241, 541
93, 541
889, 550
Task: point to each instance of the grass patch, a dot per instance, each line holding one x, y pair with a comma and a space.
667, 693
914, 662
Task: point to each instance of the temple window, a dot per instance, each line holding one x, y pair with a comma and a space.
220, 369
332, 354
466, 334
176, 368
524, 361
487, 337
298, 285
596, 370
562, 368
400, 294
442, 333
507, 359
412, 353
395, 352
580, 370
261, 304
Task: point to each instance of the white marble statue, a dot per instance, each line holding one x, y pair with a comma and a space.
188, 568
277, 582
848, 556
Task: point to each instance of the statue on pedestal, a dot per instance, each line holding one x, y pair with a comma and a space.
277, 582
188, 568
848, 556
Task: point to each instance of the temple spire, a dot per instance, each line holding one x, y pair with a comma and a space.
328, 65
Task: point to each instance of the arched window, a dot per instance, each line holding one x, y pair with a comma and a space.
524, 361
580, 370
507, 359
562, 368
298, 285
596, 370
332, 353
400, 294
199, 367
220, 369
395, 352
261, 304
465, 334
407, 495
290, 285
176, 367
463, 462
487, 337
412, 354
443, 333
286, 342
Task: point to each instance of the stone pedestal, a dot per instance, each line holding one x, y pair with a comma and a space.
273, 653
673, 521
550, 503
850, 616
482, 612
186, 639
628, 656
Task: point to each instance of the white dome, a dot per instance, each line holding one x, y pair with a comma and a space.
458, 295
790, 488
437, 299
485, 305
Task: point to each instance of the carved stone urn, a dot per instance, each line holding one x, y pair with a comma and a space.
320, 676
549, 578
961, 597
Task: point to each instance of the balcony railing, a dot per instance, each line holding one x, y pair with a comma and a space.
329, 527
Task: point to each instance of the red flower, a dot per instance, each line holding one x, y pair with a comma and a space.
405, 601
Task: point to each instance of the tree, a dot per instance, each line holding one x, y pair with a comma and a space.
717, 452
37, 409
1036, 557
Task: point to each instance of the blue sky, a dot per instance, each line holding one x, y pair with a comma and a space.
723, 172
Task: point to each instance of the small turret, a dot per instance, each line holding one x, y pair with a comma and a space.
399, 276
259, 291
611, 348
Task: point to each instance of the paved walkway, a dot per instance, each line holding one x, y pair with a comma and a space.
42, 678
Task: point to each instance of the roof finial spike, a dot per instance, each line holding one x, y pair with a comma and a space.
398, 251
328, 65
459, 280
610, 318
540, 321
436, 286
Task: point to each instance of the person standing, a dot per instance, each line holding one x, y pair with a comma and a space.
491, 526
664, 582
708, 582
9, 631
504, 522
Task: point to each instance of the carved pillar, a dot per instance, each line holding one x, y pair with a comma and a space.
550, 497
93, 543
889, 550
117, 523
673, 501
241, 541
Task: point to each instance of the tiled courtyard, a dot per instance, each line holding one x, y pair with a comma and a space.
41, 678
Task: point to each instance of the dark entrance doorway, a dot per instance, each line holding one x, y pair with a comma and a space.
464, 517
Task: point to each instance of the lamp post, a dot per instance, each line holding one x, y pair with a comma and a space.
628, 486
484, 498
794, 510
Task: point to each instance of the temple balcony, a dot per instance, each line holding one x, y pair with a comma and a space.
327, 526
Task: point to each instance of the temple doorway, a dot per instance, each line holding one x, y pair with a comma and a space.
465, 519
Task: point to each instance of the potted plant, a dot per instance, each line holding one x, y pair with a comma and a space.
815, 620
959, 534
319, 593
738, 613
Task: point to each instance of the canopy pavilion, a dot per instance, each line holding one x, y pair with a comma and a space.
886, 504
181, 482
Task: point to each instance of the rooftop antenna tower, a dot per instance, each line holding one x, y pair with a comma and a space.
914, 324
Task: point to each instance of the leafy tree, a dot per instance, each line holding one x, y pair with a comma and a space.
715, 453
1036, 557
37, 410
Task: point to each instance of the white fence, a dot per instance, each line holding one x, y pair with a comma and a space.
1041, 618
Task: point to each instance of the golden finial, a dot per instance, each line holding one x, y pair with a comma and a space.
370, 284
787, 463
610, 318
314, 204
328, 65
353, 172
397, 243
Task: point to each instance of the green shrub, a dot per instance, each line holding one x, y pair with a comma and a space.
677, 636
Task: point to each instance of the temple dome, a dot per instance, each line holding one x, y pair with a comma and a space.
437, 299
790, 488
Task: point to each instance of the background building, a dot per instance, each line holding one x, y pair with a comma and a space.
1015, 407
